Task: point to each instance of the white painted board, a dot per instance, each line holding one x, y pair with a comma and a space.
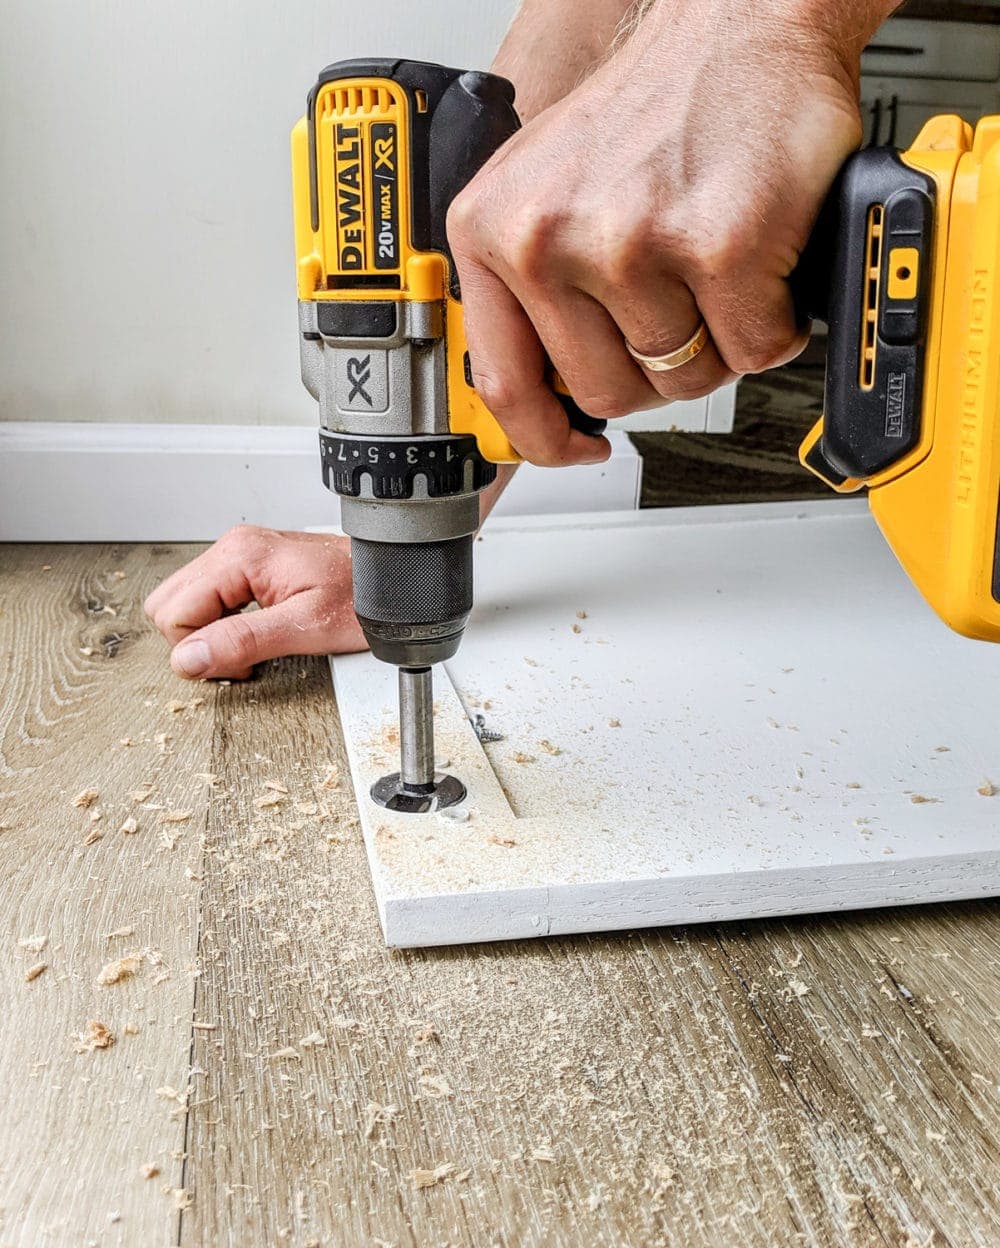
739, 728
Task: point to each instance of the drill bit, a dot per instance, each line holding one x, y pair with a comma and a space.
417, 787
416, 728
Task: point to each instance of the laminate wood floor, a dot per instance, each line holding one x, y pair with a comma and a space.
278, 1077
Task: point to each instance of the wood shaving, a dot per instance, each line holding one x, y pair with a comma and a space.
507, 842
614, 723
918, 799
204, 1026
287, 1052
331, 780
275, 786
429, 1178
34, 944
33, 972
94, 1036
209, 778
130, 826
375, 1115
175, 816
799, 989
987, 789
518, 757
86, 797
120, 968
175, 707
577, 628
428, 1034
150, 1170
182, 1198
543, 1153
143, 794
435, 1086
95, 834
307, 808
171, 1094
314, 1041
269, 800
549, 748
127, 930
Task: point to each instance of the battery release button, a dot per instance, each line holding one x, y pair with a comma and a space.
903, 273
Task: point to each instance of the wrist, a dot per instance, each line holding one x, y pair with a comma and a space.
830, 32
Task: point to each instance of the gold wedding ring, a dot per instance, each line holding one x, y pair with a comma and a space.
673, 359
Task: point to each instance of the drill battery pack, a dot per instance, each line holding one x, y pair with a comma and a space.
904, 266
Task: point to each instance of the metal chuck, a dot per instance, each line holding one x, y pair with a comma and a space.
416, 788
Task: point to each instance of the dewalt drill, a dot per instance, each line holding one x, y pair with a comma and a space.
902, 265
384, 148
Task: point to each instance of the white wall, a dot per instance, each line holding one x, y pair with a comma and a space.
146, 267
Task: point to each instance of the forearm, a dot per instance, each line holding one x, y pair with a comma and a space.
552, 45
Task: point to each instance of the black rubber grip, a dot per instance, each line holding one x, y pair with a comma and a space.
578, 418
412, 582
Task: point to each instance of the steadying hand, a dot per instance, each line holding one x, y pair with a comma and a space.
302, 582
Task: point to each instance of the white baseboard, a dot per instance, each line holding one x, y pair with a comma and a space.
90, 482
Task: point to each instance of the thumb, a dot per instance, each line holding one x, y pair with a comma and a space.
231, 646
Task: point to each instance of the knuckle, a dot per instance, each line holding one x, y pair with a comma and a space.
242, 640
625, 254
460, 222
757, 355
240, 537
607, 406
533, 244
499, 391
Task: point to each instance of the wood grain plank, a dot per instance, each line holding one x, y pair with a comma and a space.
80, 673
697, 1087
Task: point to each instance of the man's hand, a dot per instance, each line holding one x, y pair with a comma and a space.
302, 582
680, 181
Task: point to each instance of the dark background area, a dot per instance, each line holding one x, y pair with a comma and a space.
758, 461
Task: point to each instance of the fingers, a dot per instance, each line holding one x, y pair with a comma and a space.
307, 623
658, 319
509, 372
588, 351
302, 582
753, 322
217, 581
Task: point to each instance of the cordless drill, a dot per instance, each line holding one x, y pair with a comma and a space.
406, 442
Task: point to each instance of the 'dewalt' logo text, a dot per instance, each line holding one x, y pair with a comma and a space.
350, 198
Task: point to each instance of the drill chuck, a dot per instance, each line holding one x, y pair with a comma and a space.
413, 598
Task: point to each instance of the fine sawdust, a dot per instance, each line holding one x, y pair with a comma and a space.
96, 1035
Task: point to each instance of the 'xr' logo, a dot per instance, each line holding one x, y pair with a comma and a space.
358, 372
